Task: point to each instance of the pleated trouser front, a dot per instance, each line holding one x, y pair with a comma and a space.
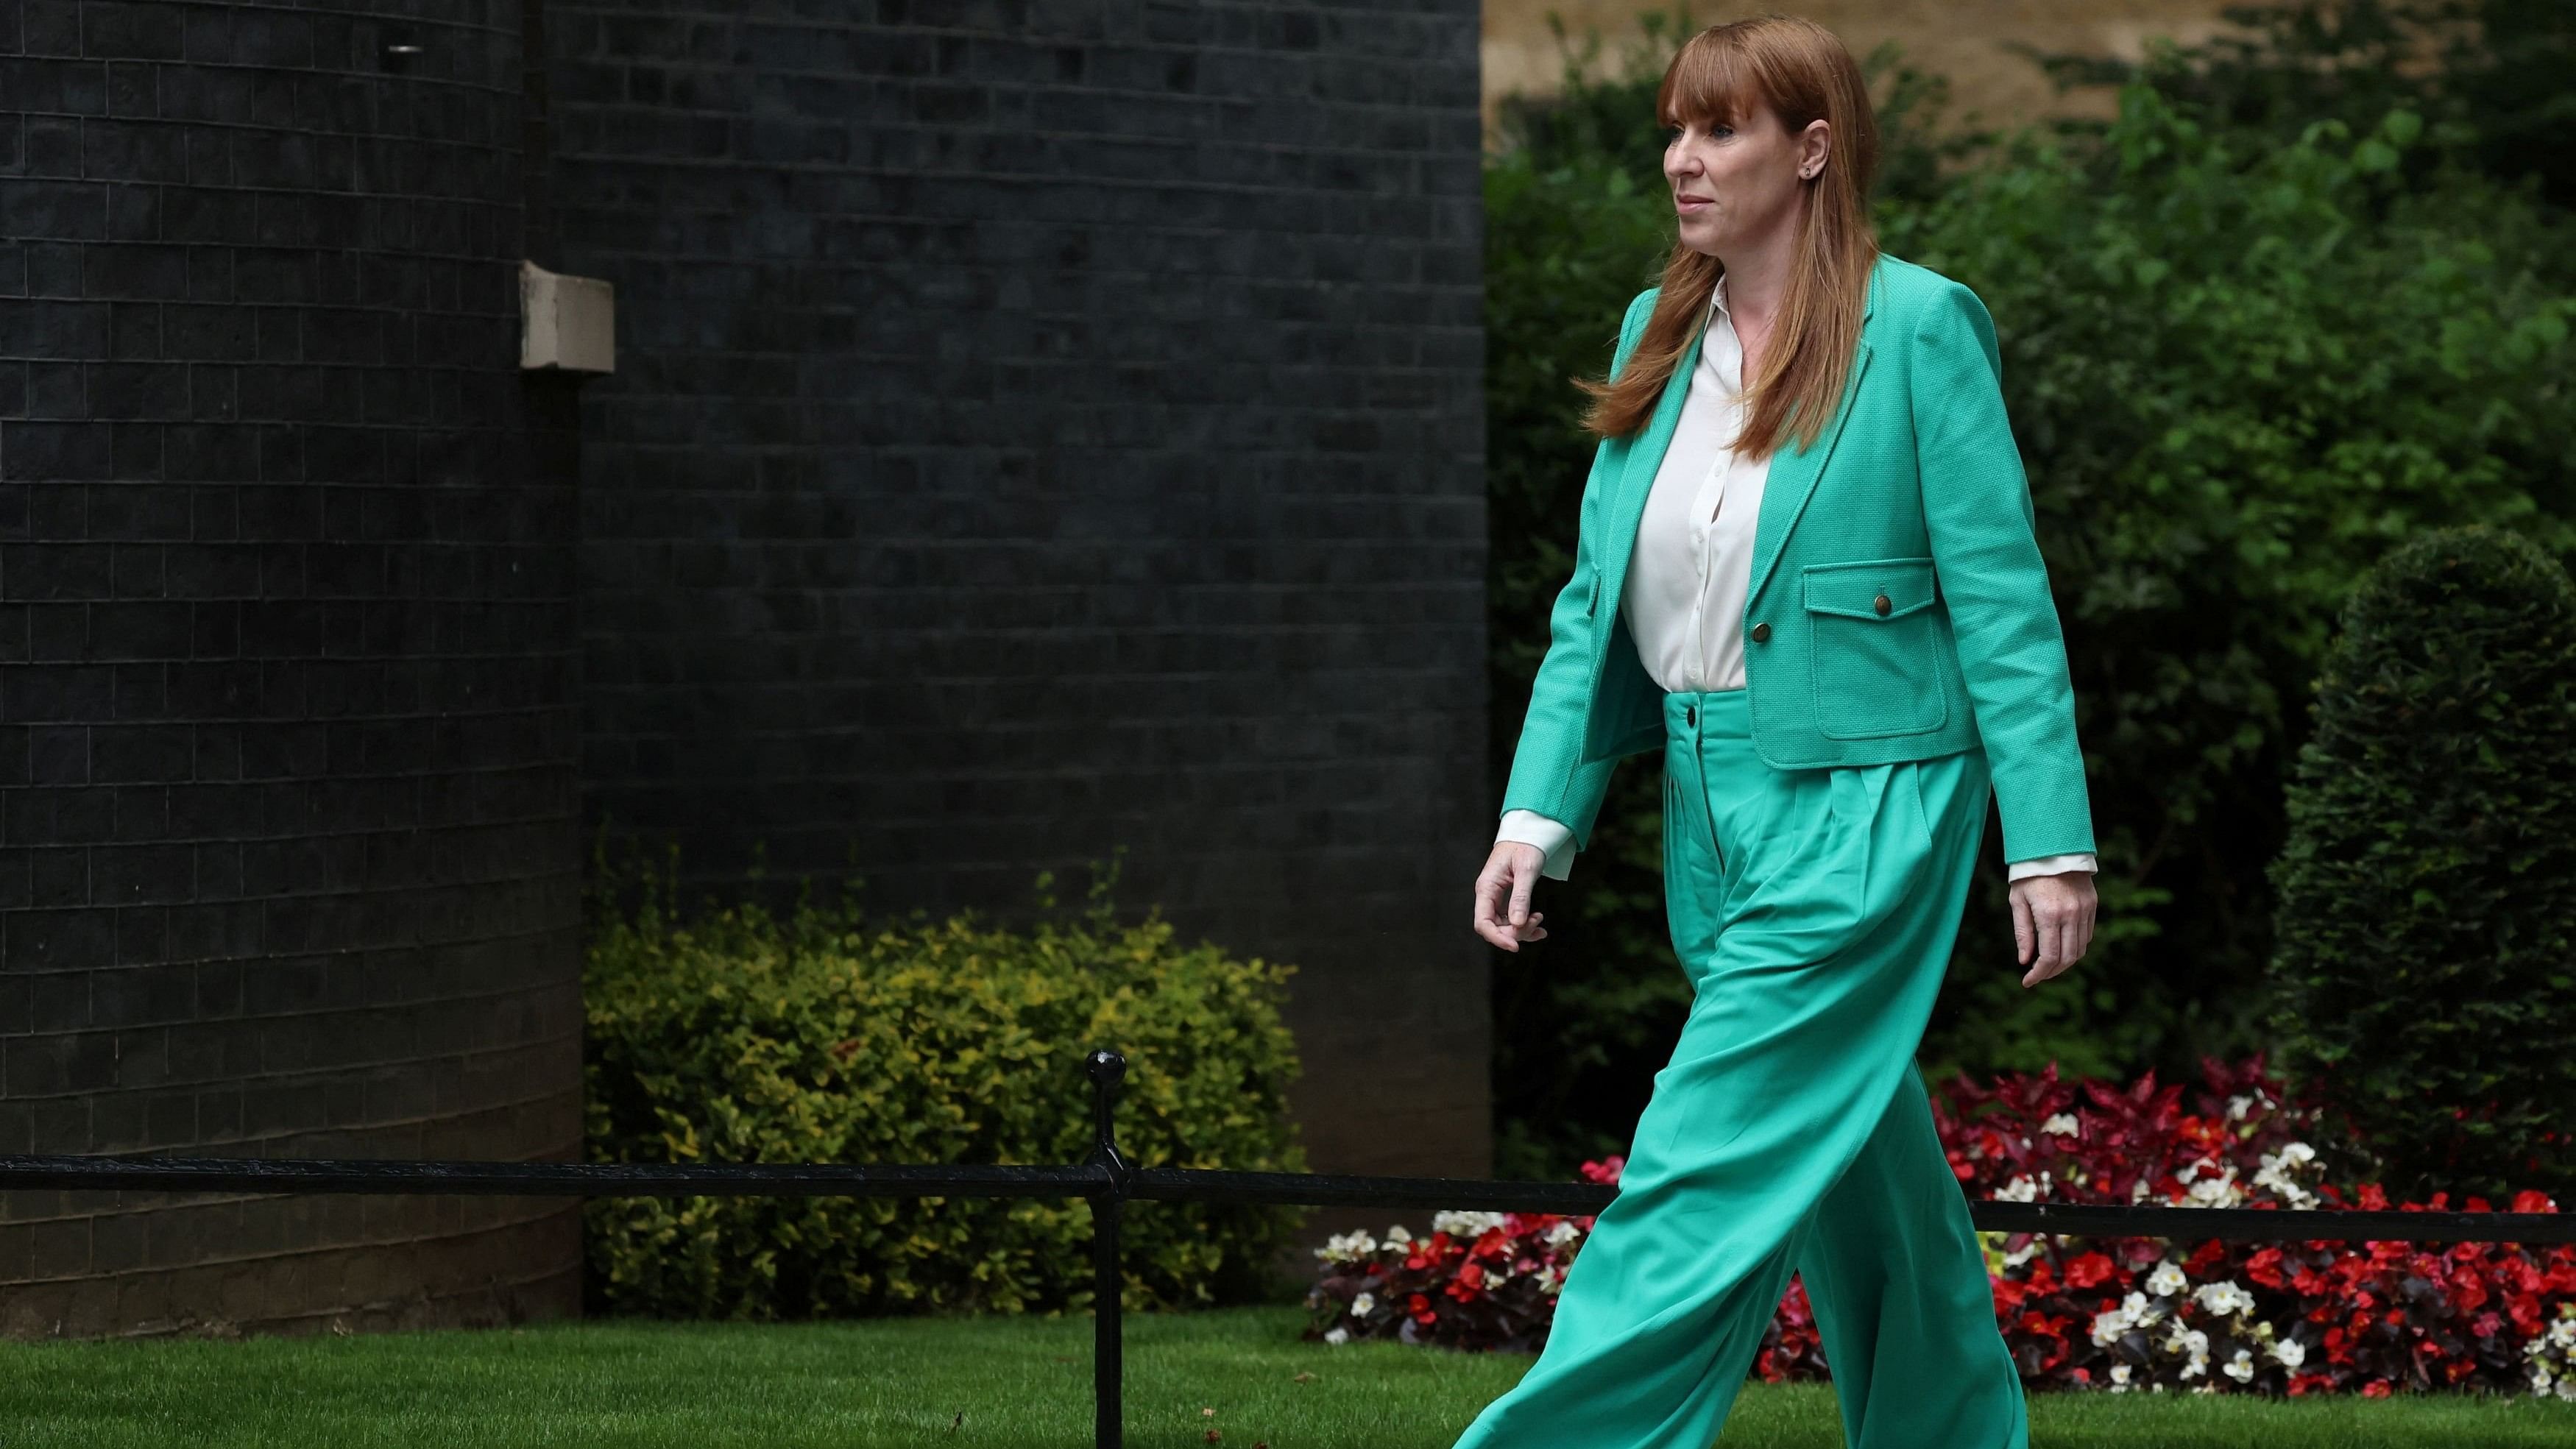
1815, 911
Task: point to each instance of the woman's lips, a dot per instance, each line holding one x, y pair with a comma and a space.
1688, 204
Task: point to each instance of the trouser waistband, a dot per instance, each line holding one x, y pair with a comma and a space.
1704, 712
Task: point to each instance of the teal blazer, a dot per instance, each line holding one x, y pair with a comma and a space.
1914, 493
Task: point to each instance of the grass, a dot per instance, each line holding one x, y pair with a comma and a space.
986, 1384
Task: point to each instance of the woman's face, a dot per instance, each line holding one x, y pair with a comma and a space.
1733, 185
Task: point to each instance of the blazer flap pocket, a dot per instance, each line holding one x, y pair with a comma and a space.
1875, 588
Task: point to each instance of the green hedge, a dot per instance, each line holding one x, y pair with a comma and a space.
820, 1036
2426, 978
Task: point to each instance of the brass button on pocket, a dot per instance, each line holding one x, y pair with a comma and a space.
1880, 604
1762, 632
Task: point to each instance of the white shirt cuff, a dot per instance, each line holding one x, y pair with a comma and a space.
1553, 837
2051, 865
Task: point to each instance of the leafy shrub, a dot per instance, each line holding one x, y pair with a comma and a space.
2120, 1314
2242, 362
2240, 369
2426, 976
742, 1036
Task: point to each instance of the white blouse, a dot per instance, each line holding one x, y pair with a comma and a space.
1693, 560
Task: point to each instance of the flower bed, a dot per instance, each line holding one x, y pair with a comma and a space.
2120, 1314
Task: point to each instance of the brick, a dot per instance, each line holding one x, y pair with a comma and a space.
264, 444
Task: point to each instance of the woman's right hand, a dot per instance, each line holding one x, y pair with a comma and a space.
1503, 914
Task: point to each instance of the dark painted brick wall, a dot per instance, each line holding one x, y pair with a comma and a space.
1043, 427
289, 851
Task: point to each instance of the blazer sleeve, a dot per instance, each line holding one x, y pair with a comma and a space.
1985, 554
1549, 776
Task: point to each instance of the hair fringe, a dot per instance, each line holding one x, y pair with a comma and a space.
1800, 72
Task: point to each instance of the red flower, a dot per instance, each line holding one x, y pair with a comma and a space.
2089, 1271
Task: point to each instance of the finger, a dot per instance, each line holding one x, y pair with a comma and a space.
2053, 939
1488, 925
1520, 893
2043, 942
2024, 936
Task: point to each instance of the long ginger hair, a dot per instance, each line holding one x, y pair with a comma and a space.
1799, 71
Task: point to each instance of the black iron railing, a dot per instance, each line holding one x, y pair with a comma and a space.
1110, 1180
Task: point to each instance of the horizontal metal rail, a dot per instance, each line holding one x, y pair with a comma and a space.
1172, 1184
1110, 1181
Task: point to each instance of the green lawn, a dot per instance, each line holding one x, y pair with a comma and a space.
980, 1384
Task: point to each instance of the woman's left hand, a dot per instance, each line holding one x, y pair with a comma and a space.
2054, 915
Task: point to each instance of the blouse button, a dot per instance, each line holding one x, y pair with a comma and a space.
1762, 633
1880, 603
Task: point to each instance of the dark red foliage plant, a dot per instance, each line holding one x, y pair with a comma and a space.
2287, 1317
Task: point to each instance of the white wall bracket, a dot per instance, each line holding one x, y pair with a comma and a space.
566, 324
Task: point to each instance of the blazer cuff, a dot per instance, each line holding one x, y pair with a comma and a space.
2052, 865
1554, 839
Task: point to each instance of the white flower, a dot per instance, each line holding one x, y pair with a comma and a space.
1337, 1335
2063, 1124
1347, 1247
2290, 1352
1467, 1225
2194, 1346
1361, 1306
2134, 1312
2167, 1280
1398, 1236
2119, 1378
2022, 1189
2023, 1254
2566, 1389
2237, 1107
2223, 1298
1561, 1232
2210, 1191
2241, 1367
2110, 1323
2217, 1192
2275, 1174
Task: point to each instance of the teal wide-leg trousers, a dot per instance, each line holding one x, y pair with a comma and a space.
1815, 911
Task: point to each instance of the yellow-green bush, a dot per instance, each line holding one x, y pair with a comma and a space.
742, 1035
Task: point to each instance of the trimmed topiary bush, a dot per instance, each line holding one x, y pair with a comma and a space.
2425, 978
744, 1036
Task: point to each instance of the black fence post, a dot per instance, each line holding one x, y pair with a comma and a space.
1107, 1363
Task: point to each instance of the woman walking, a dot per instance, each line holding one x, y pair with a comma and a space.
1805, 571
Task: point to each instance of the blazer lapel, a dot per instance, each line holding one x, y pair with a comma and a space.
1784, 494
1637, 471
